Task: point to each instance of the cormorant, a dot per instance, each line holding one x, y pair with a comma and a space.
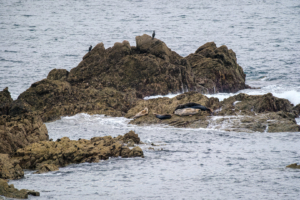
90, 48
153, 35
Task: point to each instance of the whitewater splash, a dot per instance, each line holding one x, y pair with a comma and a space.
293, 95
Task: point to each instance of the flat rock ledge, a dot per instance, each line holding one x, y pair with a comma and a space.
241, 113
45, 155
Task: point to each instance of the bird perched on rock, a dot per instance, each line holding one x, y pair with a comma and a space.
90, 48
153, 35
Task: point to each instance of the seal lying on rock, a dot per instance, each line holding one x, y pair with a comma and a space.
142, 113
162, 116
193, 105
186, 111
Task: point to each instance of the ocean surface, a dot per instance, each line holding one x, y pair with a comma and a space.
37, 36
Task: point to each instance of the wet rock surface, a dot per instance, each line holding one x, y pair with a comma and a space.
11, 192
242, 113
45, 155
293, 166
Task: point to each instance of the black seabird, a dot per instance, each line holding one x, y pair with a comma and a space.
153, 35
90, 48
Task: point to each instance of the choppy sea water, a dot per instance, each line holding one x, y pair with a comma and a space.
37, 36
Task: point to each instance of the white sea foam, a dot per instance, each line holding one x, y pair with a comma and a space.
161, 96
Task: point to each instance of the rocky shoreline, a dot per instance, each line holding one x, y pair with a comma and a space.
114, 82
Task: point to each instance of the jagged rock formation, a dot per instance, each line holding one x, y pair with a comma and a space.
111, 81
11, 192
18, 127
216, 69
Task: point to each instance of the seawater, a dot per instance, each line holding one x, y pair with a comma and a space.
37, 36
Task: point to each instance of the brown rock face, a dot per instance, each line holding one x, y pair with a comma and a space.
9, 168
18, 125
5, 101
242, 113
150, 68
293, 166
19, 131
11, 192
216, 69
133, 136
53, 99
43, 168
111, 81
46, 155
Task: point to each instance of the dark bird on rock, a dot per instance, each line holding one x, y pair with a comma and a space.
90, 48
153, 35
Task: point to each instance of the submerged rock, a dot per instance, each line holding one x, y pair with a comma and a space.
11, 192
294, 166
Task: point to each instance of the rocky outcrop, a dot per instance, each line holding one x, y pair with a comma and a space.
21, 130
242, 113
216, 69
293, 166
111, 81
54, 98
150, 68
10, 168
19, 126
11, 192
45, 155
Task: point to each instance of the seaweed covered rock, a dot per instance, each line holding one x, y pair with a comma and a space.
58, 74
111, 81
19, 126
150, 68
216, 69
21, 130
10, 168
11, 192
54, 98
47, 154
